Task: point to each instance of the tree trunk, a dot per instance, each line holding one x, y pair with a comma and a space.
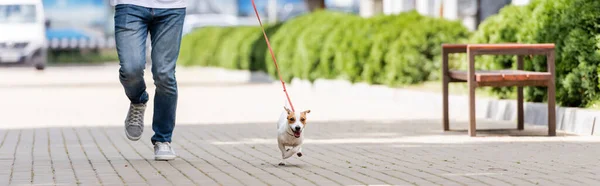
314, 5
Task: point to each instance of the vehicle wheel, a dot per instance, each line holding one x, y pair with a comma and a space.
40, 66
39, 62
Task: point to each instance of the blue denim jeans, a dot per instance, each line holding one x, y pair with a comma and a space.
132, 25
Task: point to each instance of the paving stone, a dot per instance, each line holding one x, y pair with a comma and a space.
373, 135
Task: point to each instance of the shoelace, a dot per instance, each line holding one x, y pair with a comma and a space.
136, 115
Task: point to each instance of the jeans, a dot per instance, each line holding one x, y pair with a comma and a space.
132, 25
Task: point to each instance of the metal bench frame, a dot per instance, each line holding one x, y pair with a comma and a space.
503, 78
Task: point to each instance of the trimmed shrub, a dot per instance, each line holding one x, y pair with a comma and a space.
200, 47
258, 48
387, 29
310, 44
332, 49
572, 25
352, 50
229, 54
390, 49
299, 40
500, 28
415, 55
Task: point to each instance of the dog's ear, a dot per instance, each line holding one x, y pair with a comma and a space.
287, 110
306, 111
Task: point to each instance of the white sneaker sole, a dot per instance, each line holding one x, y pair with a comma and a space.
164, 157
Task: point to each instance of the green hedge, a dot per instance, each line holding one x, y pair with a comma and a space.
201, 47
298, 43
573, 25
386, 49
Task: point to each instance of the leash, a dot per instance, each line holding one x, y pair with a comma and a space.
273, 56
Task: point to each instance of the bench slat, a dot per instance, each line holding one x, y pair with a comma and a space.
501, 75
509, 46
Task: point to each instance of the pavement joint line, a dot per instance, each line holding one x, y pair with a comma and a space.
86, 156
513, 166
408, 167
238, 149
320, 166
32, 158
126, 141
68, 155
14, 157
302, 160
104, 155
216, 167
5, 133
276, 151
468, 165
237, 167
276, 159
191, 164
170, 163
360, 166
50, 156
123, 156
427, 161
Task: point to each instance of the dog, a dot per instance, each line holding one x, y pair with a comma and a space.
290, 129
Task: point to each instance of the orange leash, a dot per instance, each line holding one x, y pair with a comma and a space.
273, 56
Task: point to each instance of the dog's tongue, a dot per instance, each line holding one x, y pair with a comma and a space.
297, 134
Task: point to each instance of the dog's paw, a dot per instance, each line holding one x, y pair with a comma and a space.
299, 154
281, 164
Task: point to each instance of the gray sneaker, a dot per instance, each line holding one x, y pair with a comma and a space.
163, 151
134, 123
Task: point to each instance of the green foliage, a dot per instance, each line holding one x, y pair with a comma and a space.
82, 56
259, 50
415, 55
386, 30
228, 55
386, 49
500, 28
297, 43
200, 47
572, 25
344, 50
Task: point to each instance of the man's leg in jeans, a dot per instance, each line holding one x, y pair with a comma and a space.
165, 34
131, 32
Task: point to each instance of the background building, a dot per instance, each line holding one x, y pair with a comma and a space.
470, 12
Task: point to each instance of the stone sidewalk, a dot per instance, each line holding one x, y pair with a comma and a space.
63, 126
405, 152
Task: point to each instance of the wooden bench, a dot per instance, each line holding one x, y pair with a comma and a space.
500, 78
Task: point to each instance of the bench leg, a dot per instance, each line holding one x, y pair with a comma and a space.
551, 111
472, 128
551, 96
445, 82
445, 115
520, 112
472, 86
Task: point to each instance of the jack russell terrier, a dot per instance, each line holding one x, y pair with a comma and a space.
289, 133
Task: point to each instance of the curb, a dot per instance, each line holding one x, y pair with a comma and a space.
571, 120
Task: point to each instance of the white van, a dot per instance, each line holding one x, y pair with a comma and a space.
23, 33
